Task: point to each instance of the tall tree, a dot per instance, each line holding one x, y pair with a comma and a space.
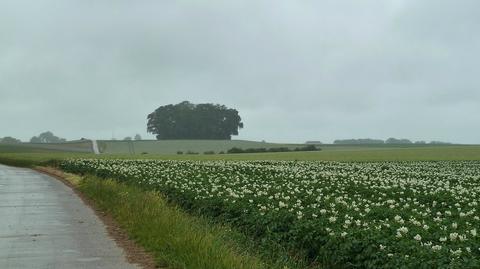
138, 137
194, 121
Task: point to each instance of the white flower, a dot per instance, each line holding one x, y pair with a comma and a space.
299, 214
417, 237
457, 252
332, 219
436, 248
453, 236
473, 232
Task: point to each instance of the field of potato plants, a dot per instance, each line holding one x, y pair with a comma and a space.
346, 215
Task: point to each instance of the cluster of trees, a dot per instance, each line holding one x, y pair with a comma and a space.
10, 140
363, 141
47, 137
391, 140
194, 121
136, 137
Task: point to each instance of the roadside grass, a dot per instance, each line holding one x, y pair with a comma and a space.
38, 159
175, 238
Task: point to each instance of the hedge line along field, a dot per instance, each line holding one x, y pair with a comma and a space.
346, 215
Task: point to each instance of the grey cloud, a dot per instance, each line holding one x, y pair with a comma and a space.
296, 70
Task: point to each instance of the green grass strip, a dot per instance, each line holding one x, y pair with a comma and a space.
174, 237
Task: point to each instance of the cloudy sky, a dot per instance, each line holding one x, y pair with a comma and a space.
296, 70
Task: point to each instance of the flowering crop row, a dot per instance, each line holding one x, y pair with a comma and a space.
364, 215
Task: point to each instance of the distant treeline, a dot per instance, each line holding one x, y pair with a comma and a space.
10, 140
358, 141
47, 137
369, 141
236, 150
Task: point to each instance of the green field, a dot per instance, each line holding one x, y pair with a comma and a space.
74, 146
152, 149
173, 146
354, 158
142, 147
331, 214
328, 153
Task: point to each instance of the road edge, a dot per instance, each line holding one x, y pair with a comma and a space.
134, 253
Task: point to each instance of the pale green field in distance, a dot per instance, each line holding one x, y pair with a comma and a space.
74, 146
143, 146
350, 154
173, 146
169, 148
358, 154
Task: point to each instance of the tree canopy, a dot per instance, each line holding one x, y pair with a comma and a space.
47, 137
393, 140
9, 140
361, 141
194, 121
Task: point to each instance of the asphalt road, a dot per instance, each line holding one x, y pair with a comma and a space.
44, 225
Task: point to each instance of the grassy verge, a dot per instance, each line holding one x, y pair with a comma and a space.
175, 238
37, 159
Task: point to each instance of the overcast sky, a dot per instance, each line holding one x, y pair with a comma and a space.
296, 70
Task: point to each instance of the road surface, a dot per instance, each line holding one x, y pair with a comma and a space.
95, 147
44, 225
